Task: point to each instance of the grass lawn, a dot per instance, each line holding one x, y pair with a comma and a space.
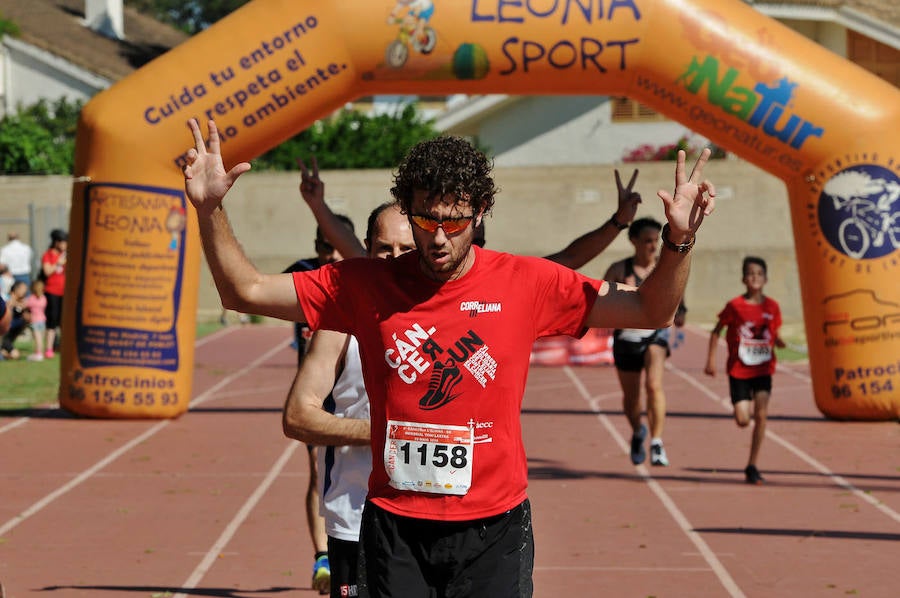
30, 383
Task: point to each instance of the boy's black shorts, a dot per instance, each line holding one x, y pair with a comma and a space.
404, 557
745, 389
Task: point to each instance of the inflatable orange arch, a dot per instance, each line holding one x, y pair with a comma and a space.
273, 67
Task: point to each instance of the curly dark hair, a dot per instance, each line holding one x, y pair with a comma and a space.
445, 165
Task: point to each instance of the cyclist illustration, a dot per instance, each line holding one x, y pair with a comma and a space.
414, 29
866, 204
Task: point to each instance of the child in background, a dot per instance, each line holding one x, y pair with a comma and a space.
21, 316
753, 321
37, 302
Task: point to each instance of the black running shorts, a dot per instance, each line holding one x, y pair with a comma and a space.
404, 557
744, 390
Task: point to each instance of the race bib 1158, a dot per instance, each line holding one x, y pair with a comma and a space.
432, 458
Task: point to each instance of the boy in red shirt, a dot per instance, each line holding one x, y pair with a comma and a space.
753, 321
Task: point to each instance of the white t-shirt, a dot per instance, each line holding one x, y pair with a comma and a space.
17, 256
344, 470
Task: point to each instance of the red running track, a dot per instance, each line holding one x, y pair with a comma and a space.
211, 504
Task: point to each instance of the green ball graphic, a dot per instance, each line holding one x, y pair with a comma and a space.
470, 61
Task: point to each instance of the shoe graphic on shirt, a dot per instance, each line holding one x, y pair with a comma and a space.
444, 378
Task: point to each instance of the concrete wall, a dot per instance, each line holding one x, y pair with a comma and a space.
538, 211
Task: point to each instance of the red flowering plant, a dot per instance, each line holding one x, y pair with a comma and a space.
669, 151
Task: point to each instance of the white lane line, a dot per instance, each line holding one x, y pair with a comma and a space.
83, 476
253, 391
231, 529
792, 372
806, 457
213, 336
13, 424
708, 555
86, 474
210, 394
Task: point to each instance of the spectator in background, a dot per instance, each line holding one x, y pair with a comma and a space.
17, 256
53, 270
37, 305
5, 316
6, 282
21, 317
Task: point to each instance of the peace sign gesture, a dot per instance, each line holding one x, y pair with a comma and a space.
693, 199
205, 179
312, 189
628, 199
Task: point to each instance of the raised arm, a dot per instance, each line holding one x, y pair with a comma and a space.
312, 189
241, 286
304, 418
591, 244
653, 305
710, 369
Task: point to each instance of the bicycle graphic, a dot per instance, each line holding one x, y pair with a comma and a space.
397, 52
866, 206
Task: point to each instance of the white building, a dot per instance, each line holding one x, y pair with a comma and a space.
73, 48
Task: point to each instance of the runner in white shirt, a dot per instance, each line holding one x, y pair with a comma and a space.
331, 375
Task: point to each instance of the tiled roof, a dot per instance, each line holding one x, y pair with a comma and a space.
56, 27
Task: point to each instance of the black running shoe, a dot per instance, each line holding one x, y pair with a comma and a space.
638, 454
752, 475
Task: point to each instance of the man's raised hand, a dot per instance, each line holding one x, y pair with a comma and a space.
205, 179
693, 199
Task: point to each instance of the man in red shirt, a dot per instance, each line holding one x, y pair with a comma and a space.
445, 334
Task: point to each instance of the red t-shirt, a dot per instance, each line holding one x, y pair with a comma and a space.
56, 282
446, 365
751, 334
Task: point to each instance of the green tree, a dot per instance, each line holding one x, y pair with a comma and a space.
8, 27
350, 139
39, 139
191, 16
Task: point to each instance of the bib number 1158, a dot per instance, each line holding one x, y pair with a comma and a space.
431, 458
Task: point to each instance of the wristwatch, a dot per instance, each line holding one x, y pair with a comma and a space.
612, 220
676, 247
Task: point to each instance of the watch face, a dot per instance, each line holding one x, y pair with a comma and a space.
682, 248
